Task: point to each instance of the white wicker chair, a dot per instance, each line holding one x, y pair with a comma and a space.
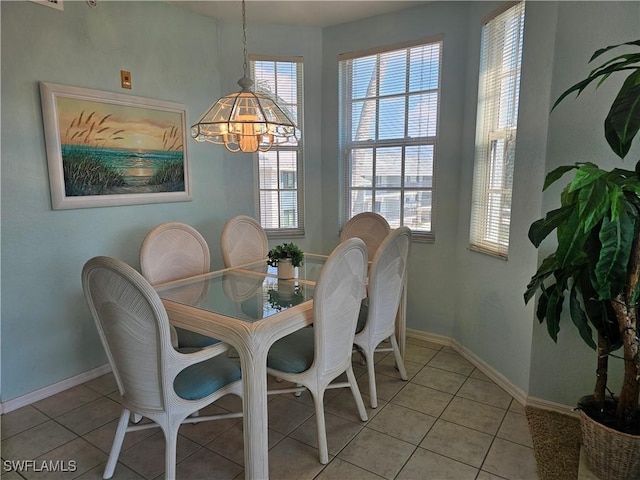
313, 357
154, 379
371, 227
243, 241
171, 251
377, 321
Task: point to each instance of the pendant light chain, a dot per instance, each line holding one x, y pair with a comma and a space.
244, 40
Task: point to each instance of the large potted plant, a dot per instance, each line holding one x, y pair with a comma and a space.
595, 270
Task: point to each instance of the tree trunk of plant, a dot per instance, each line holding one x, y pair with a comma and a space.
602, 372
626, 309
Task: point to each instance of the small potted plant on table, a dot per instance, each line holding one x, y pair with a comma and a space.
285, 257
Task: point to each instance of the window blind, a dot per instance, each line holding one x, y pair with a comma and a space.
388, 121
496, 128
280, 170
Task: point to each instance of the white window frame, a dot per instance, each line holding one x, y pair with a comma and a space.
496, 126
404, 142
282, 151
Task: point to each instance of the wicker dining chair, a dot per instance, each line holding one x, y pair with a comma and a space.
377, 319
243, 241
371, 227
154, 379
314, 357
172, 251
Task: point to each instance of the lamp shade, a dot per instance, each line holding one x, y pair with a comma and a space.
245, 121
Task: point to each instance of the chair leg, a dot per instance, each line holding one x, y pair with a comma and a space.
371, 371
318, 401
356, 394
117, 444
398, 357
171, 440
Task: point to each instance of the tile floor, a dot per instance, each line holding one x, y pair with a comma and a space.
449, 421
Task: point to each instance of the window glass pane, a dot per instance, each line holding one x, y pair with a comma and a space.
418, 171
391, 120
388, 167
387, 204
364, 120
425, 67
362, 167
364, 77
417, 209
393, 75
269, 208
288, 169
268, 164
288, 209
423, 115
361, 201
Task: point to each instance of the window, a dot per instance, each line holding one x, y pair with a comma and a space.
280, 195
498, 96
388, 120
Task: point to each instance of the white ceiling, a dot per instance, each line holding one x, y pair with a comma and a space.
296, 12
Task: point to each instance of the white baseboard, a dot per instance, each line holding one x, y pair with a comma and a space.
29, 398
516, 392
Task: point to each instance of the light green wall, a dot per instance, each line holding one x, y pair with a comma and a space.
46, 332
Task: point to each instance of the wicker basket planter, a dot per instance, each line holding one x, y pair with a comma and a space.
611, 455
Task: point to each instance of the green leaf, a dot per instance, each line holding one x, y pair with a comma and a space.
552, 314
593, 203
623, 121
616, 200
555, 174
586, 174
579, 318
606, 49
616, 237
540, 229
571, 239
545, 270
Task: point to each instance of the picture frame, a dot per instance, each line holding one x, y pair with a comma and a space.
109, 149
57, 4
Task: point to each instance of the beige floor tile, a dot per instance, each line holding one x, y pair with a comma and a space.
517, 407
344, 405
341, 470
147, 457
426, 464
83, 455
231, 443
285, 414
339, 432
387, 366
102, 437
478, 375
66, 401
231, 403
458, 442
20, 420
510, 460
386, 387
423, 343
204, 432
474, 415
439, 379
485, 392
418, 354
451, 362
122, 472
205, 464
90, 416
291, 459
423, 399
377, 452
8, 473
104, 384
402, 423
488, 476
36, 441
515, 428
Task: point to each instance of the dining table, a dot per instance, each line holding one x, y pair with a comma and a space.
249, 308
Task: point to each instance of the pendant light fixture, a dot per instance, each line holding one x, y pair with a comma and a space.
245, 121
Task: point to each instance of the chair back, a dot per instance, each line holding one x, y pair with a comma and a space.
336, 302
243, 241
386, 280
171, 251
133, 327
371, 227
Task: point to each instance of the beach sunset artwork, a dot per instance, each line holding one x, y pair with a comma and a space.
118, 147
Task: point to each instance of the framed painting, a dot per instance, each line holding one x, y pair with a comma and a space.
107, 149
